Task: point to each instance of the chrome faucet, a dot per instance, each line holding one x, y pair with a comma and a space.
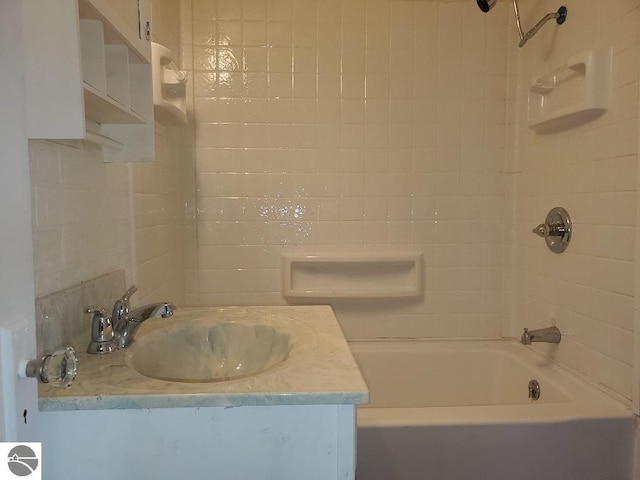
548, 335
126, 321
123, 323
128, 325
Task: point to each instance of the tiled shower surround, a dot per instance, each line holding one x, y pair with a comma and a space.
332, 125
327, 125
588, 291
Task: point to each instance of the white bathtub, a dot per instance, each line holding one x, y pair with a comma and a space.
457, 410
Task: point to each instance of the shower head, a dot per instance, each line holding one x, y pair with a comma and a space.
486, 5
560, 16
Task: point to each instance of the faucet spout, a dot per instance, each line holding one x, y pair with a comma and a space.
152, 310
126, 328
548, 335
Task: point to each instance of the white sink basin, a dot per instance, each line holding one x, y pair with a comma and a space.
208, 353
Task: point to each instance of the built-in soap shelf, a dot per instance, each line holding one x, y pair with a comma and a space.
572, 94
169, 87
88, 77
352, 275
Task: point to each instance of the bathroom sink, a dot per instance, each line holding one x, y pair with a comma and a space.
208, 352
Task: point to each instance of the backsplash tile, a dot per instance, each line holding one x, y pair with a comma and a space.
61, 318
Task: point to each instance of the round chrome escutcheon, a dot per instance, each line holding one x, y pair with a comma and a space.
534, 390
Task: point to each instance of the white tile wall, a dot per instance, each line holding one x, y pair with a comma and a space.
81, 216
91, 217
352, 125
592, 171
159, 219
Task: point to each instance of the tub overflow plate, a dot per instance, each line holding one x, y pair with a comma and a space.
534, 390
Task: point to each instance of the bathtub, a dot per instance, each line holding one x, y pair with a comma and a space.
457, 410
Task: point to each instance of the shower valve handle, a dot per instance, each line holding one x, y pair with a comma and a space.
544, 230
556, 230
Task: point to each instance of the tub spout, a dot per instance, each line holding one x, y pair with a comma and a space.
548, 335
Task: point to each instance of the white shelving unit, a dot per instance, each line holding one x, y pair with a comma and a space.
88, 77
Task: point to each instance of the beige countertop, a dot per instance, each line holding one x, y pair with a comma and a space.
320, 368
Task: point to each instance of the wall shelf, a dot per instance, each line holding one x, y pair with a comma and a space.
88, 77
574, 93
169, 87
104, 109
352, 275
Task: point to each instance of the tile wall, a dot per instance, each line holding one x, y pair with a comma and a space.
591, 170
91, 217
337, 125
159, 216
80, 215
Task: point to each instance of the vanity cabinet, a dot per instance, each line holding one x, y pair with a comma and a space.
294, 420
278, 442
88, 76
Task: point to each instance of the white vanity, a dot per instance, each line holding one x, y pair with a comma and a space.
295, 420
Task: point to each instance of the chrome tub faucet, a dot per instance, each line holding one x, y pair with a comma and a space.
548, 335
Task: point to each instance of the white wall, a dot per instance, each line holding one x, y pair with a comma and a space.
159, 215
18, 397
80, 215
91, 217
353, 125
591, 170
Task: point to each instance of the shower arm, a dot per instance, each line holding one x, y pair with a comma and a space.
560, 17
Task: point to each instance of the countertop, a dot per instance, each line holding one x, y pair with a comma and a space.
320, 368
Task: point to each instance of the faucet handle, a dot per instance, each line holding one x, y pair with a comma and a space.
125, 298
121, 306
543, 230
102, 335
